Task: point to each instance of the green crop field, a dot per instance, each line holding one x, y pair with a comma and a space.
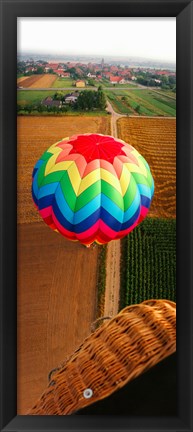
118, 104
148, 262
142, 102
63, 82
107, 83
25, 97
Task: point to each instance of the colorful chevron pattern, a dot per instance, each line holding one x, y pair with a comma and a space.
92, 187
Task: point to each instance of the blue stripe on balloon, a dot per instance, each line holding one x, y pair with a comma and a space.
59, 216
34, 172
133, 207
45, 201
37, 166
100, 201
34, 197
108, 218
47, 189
35, 185
152, 188
110, 206
145, 201
79, 228
144, 190
39, 163
88, 209
63, 205
131, 221
88, 222
113, 223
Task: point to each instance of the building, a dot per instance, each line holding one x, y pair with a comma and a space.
49, 102
115, 79
80, 83
91, 75
70, 99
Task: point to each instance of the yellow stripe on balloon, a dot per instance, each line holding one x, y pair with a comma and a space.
125, 179
143, 167
134, 168
52, 167
90, 179
54, 149
74, 176
99, 174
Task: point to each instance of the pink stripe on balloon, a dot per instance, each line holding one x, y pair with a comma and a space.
143, 213
46, 212
62, 230
89, 233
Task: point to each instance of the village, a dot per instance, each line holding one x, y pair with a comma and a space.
93, 73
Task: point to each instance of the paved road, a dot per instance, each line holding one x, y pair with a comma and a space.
138, 87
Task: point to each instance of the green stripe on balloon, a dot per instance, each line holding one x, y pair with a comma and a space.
130, 193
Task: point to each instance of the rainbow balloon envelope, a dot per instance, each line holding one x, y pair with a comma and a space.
92, 188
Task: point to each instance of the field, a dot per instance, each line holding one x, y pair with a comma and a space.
107, 83
38, 81
142, 102
56, 294
155, 139
149, 263
35, 135
63, 82
32, 97
22, 79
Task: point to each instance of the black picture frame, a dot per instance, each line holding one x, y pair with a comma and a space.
183, 11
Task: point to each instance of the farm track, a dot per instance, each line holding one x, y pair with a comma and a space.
112, 288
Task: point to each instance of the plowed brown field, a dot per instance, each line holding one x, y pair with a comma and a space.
35, 135
19, 80
56, 278
26, 83
44, 81
37, 81
155, 139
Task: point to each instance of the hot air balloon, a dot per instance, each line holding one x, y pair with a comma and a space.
92, 188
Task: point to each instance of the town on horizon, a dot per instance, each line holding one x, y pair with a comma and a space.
83, 59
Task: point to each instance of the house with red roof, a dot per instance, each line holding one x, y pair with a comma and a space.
115, 79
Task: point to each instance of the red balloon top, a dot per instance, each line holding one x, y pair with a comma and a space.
96, 146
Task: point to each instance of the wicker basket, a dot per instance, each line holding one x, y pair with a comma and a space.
121, 349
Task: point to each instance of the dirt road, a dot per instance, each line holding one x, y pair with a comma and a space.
113, 250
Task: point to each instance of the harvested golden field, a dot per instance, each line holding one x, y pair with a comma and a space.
19, 80
27, 83
155, 139
35, 135
44, 81
56, 297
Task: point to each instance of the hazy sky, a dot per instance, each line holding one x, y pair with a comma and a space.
153, 38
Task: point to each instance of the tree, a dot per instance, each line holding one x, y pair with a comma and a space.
101, 102
89, 100
59, 95
40, 70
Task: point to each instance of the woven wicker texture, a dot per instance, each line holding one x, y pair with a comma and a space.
121, 349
